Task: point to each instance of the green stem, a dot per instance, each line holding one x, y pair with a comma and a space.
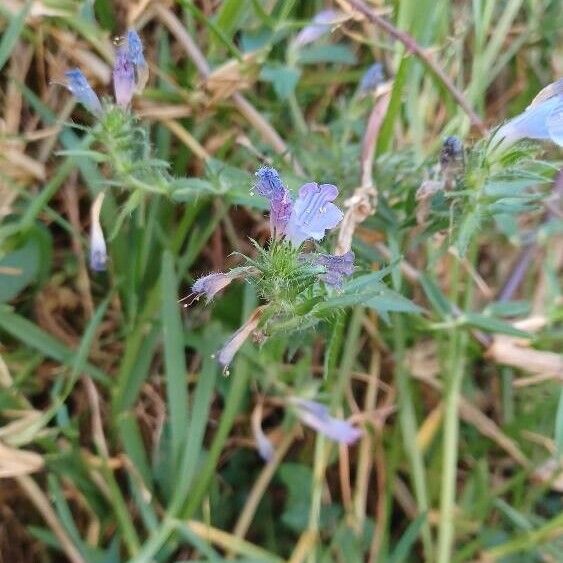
455, 367
408, 424
297, 114
319, 469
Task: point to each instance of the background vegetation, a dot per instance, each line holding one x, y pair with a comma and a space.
120, 440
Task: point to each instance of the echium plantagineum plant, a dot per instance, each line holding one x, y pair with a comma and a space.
292, 281
122, 142
500, 177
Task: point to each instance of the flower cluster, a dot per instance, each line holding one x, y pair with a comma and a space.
130, 74
115, 130
283, 271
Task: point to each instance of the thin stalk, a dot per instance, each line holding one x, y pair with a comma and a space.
366, 448
456, 368
319, 469
409, 429
297, 114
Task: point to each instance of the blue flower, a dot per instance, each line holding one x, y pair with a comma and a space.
317, 416
322, 23
98, 250
211, 284
135, 48
313, 213
123, 78
542, 119
80, 88
135, 53
270, 186
268, 183
372, 78
337, 267
263, 444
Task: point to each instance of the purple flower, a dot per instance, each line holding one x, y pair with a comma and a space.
80, 88
313, 213
320, 24
123, 78
268, 183
98, 250
270, 186
542, 119
372, 78
226, 354
135, 53
135, 48
263, 444
211, 284
337, 267
316, 416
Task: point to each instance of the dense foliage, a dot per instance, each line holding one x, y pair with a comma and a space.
281, 281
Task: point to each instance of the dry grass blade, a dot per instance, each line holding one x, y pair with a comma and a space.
15, 462
363, 202
514, 352
256, 119
43, 505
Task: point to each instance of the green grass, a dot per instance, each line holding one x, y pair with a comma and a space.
148, 452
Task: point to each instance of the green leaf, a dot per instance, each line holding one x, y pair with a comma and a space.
22, 266
507, 187
188, 189
12, 33
438, 300
508, 308
513, 205
174, 357
297, 478
368, 279
402, 551
338, 54
468, 229
32, 336
202, 397
284, 79
492, 324
76, 153
229, 15
379, 298
389, 300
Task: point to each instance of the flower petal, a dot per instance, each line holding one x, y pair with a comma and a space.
211, 284
269, 185
226, 354
555, 124
337, 267
539, 122
320, 24
135, 53
80, 88
135, 48
316, 416
263, 444
372, 78
98, 249
123, 78
313, 213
